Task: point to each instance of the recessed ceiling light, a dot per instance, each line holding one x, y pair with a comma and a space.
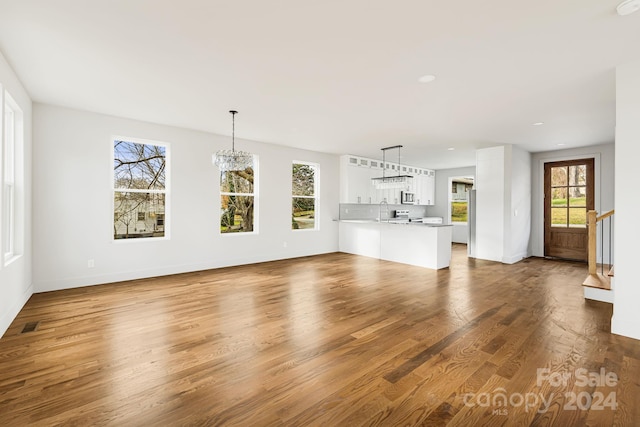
427, 78
561, 144
538, 123
628, 7
450, 148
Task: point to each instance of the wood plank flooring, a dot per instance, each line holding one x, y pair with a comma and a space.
329, 340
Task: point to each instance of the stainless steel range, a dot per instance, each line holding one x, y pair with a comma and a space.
403, 215
400, 216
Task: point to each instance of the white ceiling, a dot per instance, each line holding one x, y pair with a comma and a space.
338, 76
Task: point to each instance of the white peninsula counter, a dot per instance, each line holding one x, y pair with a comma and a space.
423, 245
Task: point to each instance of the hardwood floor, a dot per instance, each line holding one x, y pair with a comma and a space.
331, 340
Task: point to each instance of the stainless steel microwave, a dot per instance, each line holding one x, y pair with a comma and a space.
407, 198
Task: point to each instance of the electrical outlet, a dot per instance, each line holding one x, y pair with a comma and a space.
284, 244
91, 263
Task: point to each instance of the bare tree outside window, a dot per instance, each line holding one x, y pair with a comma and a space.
139, 174
569, 196
304, 196
237, 197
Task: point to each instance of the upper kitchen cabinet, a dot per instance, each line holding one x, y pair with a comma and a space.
424, 187
393, 195
356, 186
355, 179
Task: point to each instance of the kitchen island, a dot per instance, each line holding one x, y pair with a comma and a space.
422, 245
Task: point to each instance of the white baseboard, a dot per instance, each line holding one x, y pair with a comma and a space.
7, 318
625, 327
515, 258
81, 281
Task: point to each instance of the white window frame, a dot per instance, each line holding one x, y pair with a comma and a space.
165, 191
11, 148
256, 192
450, 198
316, 194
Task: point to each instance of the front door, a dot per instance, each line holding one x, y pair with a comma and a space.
568, 195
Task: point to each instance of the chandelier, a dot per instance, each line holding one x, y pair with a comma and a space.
232, 160
391, 182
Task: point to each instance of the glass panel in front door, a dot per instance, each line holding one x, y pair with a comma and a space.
559, 176
559, 217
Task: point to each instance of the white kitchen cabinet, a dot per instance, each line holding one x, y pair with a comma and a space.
419, 245
417, 189
355, 180
356, 184
424, 187
375, 171
362, 188
393, 195
429, 190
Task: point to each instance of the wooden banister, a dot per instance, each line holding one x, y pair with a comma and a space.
605, 215
592, 221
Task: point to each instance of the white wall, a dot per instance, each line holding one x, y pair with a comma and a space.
503, 203
460, 232
626, 316
72, 203
490, 203
603, 156
520, 209
15, 278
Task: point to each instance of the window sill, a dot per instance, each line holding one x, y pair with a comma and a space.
10, 259
240, 233
140, 239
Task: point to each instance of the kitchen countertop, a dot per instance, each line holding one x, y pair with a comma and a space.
392, 222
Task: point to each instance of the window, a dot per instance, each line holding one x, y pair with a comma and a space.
460, 187
304, 191
238, 191
139, 188
11, 166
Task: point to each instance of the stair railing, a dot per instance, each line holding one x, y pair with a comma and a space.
594, 222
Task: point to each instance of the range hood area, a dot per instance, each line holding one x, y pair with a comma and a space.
395, 181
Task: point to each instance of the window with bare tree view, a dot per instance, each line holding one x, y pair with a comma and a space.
304, 194
139, 189
237, 200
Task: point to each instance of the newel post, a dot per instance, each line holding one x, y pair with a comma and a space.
591, 222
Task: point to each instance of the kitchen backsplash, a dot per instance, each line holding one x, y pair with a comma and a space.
367, 211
